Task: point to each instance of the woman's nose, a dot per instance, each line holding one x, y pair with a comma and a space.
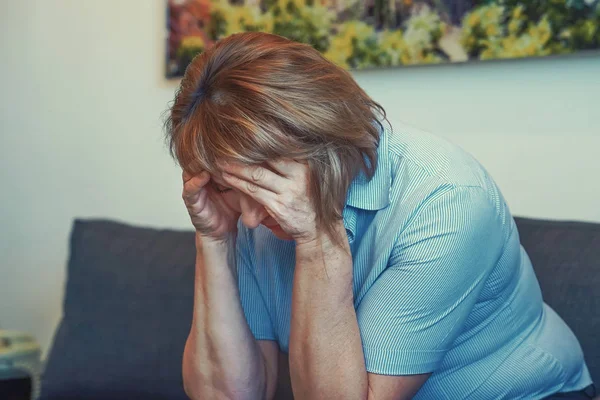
253, 212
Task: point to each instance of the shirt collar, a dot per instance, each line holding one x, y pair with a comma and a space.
370, 195
373, 194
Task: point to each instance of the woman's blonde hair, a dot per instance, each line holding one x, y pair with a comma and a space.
254, 97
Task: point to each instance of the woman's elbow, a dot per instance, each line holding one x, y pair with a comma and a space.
191, 381
198, 387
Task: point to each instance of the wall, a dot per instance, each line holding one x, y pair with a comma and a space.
80, 105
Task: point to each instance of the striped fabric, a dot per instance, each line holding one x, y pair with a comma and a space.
441, 282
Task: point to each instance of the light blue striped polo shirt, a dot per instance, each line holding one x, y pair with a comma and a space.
441, 282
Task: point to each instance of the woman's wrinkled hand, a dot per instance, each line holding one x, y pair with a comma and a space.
282, 187
209, 214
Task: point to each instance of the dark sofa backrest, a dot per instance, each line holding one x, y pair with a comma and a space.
128, 305
566, 259
126, 315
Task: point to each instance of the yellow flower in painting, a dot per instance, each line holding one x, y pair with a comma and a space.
509, 42
189, 47
340, 50
514, 26
469, 42
591, 27
541, 32
493, 12
481, 23
517, 11
492, 30
393, 45
356, 29
392, 40
242, 18
495, 38
430, 58
234, 24
544, 29
268, 22
285, 5
355, 45
487, 54
192, 42
473, 19
417, 43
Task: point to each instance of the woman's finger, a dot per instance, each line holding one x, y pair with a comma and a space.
197, 203
193, 185
287, 167
186, 176
258, 176
258, 193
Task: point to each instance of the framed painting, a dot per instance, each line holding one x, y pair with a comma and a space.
359, 34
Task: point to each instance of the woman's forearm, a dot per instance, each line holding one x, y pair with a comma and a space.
326, 356
221, 357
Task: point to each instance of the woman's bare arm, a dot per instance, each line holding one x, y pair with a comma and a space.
222, 360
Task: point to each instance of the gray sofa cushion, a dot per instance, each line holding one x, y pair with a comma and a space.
566, 259
127, 313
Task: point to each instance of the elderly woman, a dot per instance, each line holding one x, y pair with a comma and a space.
386, 265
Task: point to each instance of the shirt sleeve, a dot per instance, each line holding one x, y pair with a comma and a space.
253, 302
417, 307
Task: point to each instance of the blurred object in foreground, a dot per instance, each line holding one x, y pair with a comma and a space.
19, 362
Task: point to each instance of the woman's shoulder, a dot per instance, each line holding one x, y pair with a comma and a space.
429, 155
422, 163
427, 170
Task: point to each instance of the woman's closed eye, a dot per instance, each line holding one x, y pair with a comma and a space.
221, 189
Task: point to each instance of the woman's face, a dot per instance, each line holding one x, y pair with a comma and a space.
252, 213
